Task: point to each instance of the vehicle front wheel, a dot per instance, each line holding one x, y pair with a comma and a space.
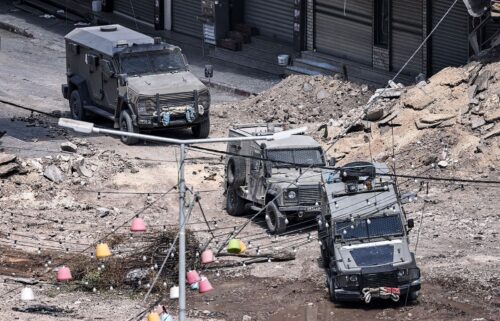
413, 296
276, 221
126, 125
202, 130
235, 205
76, 106
331, 289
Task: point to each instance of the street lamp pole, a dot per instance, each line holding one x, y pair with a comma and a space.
88, 128
182, 237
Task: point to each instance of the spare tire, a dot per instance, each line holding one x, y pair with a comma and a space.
236, 171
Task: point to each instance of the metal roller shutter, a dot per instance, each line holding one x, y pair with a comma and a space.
407, 35
273, 18
449, 43
185, 17
143, 10
346, 36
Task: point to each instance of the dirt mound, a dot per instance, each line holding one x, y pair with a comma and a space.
450, 121
305, 99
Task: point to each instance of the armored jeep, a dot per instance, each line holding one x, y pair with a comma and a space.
365, 248
272, 173
134, 80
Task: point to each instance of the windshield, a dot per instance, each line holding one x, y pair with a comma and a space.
370, 227
152, 62
298, 157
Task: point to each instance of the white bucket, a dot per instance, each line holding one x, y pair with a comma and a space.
96, 5
174, 292
27, 294
283, 60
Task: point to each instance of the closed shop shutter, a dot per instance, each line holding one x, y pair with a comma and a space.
185, 17
273, 18
449, 43
407, 35
348, 35
143, 10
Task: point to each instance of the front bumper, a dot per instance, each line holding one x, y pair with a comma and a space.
151, 122
356, 295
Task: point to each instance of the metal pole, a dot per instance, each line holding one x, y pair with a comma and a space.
182, 238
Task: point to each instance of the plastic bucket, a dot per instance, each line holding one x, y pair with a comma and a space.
174, 292
192, 277
234, 246
283, 60
64, 274
204, 285
243, 247
207, 257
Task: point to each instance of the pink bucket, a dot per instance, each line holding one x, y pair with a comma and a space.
204, 285
64, 274
138, 225
192, 277
207, 257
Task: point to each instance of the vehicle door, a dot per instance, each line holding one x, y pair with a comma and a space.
94, 83
256, 177
109, 84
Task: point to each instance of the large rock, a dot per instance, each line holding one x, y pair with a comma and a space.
8, 169
69, 147
477, 122
434, 118
7, 158
417, 99
54, 174
493, 115
450, 76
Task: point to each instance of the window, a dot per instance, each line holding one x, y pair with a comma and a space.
152, 62
381, 23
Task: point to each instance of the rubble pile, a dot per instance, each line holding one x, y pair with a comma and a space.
449, 121
305, 99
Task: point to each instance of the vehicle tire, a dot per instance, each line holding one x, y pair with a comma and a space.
325, 258
413, 296
236, 171
276, 221
76, 106
331, 290
202, 130
126, 125
235, 205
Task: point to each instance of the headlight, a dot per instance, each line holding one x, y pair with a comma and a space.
292, 195
344, 281
402, 273
414, 273
203, 104
145, 107
141, 107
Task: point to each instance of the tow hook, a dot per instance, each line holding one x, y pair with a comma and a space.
381, 292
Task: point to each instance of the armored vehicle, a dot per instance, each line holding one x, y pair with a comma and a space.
134, 80
260, 173
365, 245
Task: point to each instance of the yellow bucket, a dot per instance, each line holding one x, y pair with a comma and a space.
243, 247
153, 316
234, 246
102, 251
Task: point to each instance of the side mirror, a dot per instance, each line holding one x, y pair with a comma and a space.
332, 162
411, 223
209, 71
122, 79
